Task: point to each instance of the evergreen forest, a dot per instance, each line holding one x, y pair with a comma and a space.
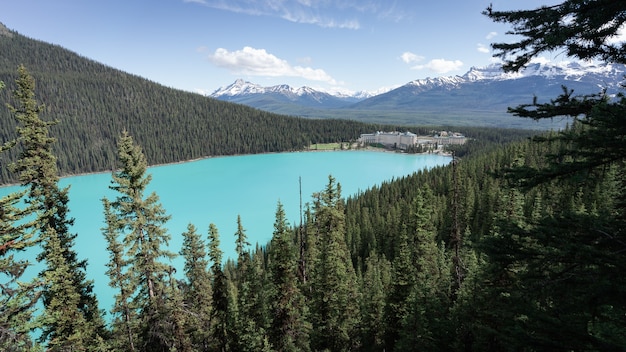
94, 103
517, 245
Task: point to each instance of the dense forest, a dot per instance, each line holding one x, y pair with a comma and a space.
514, 246
95, 103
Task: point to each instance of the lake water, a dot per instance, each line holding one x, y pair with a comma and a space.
216, 190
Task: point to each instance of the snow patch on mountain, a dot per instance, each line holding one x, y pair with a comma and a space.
241, 88
566, 70
563, 70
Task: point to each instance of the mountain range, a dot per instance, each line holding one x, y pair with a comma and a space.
481, 96
94, 103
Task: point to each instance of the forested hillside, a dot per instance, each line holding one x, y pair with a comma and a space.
95, 103
512, 247
462, 257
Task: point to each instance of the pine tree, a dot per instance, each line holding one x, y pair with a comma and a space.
334, 296
241, 243
426, 325
17, 298
375, 285
561, 276
71, 317
252, 307
139, 221
402, 284
197, 291
220, 298
124, 311
63, 321
250, 319
289, 327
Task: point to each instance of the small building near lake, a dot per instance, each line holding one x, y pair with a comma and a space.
404, 140
400, 140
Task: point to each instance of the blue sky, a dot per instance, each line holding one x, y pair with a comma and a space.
201, 45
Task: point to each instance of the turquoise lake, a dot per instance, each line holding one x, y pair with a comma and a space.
216, 190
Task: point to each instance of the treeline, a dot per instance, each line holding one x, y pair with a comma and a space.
521, 248
478, 255
95, 103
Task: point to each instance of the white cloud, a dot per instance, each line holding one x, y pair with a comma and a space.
409, 57
491, 35
343, 14
444, 66
540, 60
327, 14
258, 62
620, 37
436, 65
440, 65
482, 48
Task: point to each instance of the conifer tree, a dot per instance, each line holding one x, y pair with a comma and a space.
197, 291
17, 298
139, 221
249, 322
252, 308
427, 320
125, 317
220, 298
561, 277
241, 243
71, 317
289, 327
402, 284
334, 296
375, 285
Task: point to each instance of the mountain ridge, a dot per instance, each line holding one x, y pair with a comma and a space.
569, 70
480, 96
94, 103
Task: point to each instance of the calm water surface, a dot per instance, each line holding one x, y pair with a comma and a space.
216, 190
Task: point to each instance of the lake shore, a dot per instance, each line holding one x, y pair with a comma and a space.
367, 148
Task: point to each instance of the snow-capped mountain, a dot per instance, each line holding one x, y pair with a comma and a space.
565, 71
491, 89
267, 97
479, 94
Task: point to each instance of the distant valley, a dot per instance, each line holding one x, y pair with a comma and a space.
480, 97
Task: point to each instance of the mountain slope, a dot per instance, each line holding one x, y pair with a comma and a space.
480, 97
95, 103
490, 89
281, 98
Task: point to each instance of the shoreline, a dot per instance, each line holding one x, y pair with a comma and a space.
368, 148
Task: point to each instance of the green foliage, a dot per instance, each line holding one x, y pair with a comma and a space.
253, 312
582, 29
535, 227
426, 322
17, 298
124, 311
197, 291
289, 329
221, 297
375, 285
71, 317
334, 296
95, 103
250, 309
147, 292
402, 282
556, 272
